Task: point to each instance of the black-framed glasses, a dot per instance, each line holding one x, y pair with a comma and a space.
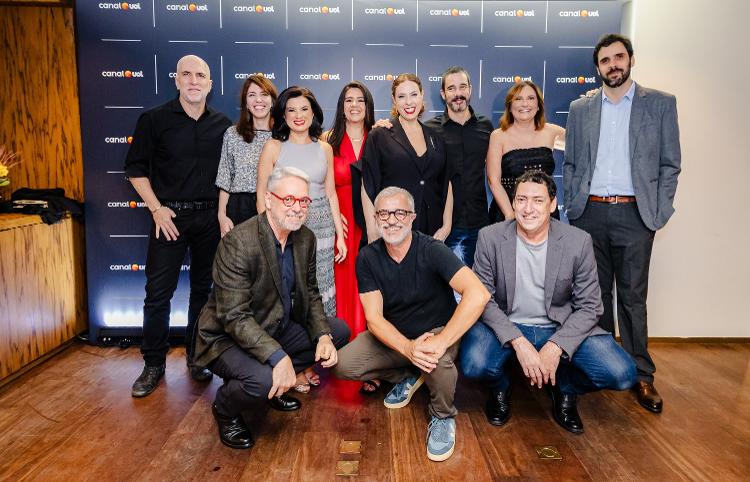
289, 200
385, 215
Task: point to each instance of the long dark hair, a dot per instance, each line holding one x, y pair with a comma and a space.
245, 126
280, 129
339, 123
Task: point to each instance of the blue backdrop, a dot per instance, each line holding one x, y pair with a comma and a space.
127, 52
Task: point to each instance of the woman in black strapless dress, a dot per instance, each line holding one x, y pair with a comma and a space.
523, 142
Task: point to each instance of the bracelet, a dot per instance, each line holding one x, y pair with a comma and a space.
160, 206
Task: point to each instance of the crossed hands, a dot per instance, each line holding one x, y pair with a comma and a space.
539, 367
425, 351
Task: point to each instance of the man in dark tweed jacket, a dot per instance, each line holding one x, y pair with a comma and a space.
264, 321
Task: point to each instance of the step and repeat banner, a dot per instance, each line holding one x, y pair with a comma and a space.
127, 54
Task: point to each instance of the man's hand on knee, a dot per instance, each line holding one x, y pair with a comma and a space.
550, 356
284, 377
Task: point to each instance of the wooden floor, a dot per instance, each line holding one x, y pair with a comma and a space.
72, 418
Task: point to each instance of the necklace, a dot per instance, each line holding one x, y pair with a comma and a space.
356, 140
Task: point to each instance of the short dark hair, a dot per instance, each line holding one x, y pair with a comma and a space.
280, 129
538, 177
455, 69
610, 39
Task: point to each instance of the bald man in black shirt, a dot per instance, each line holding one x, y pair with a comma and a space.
172, 164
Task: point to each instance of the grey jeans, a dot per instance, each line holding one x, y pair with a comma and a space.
367, 358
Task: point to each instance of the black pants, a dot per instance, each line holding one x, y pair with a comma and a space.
246, 380
199, 233
241, 206
622, 245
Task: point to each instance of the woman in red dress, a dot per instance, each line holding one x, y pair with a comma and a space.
355, 116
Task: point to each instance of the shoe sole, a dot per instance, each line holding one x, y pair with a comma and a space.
405, 402
650, 408
441, 458
498, 423
237, 446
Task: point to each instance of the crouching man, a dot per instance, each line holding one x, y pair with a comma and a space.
406, 283
264, 321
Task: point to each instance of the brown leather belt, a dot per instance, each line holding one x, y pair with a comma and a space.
612, 199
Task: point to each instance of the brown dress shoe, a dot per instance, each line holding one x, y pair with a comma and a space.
648, 397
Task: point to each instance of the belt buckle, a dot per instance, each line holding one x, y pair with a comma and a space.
615, 200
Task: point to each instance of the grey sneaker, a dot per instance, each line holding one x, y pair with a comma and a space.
441, 438
401, 393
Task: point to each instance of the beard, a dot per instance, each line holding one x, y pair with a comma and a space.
396, 237
291, 221
617, 82
457, 108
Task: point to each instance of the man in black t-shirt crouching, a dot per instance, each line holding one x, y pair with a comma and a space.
406, 283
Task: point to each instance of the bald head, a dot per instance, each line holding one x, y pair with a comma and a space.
194, 58
193, 80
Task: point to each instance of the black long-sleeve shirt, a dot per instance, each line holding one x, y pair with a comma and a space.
466, 146
179, 155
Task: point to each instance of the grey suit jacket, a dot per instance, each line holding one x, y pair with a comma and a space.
245, 307
654, 153
571, 285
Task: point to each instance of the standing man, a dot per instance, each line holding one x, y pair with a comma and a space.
172, 164
622, 159
406, 283
544, 308
467, 138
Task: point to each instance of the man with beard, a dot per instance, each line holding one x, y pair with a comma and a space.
622, 159
406, 283
467, 137
264, 321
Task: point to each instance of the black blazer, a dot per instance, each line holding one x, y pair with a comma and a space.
390, 160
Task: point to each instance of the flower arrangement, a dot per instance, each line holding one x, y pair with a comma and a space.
8, 159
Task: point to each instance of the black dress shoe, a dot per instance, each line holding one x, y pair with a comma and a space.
565, 411
285, 403
232, 431
147, 381
648, 397
199, 373
498, 408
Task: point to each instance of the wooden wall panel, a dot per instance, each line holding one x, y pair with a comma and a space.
42, 292
39, 114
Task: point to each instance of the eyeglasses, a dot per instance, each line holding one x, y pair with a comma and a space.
385, 215
289, 200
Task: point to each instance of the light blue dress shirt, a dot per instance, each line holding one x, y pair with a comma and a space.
612, 174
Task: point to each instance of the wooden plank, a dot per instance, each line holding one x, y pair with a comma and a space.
73, 418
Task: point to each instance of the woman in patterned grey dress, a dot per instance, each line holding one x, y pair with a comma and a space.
240, 153
297, 127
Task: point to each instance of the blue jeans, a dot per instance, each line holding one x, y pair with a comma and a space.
463, 243
598, 363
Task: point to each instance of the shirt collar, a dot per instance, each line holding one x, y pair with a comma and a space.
177, 107
628, 95
446, 117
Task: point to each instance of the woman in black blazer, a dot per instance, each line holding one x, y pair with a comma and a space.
411, 156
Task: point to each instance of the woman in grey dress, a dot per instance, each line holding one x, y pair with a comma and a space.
240, 153
297, 128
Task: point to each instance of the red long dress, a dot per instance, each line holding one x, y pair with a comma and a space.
348, 305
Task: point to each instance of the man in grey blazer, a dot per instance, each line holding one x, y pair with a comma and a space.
544, 308
622, 159
264, 320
